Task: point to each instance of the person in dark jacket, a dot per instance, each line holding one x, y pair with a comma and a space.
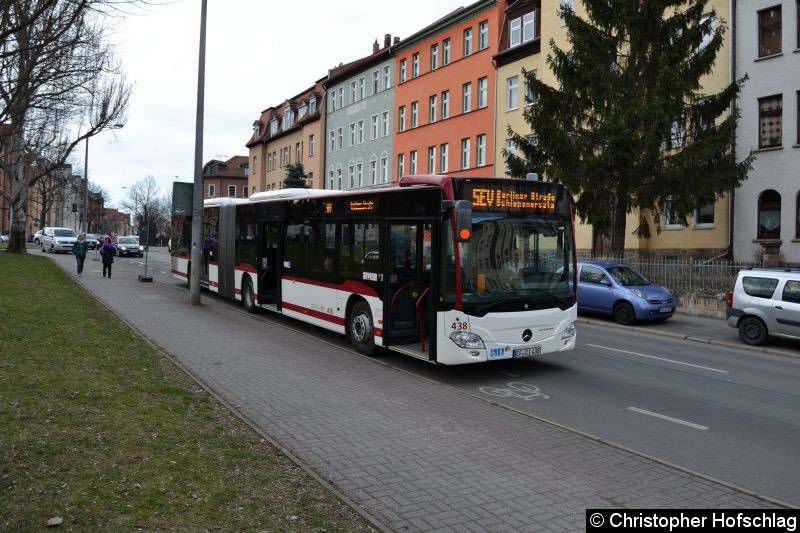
79, 249
108, 250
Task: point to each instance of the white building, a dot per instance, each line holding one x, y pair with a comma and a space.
766, 37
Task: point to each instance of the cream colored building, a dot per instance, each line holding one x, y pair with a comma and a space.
708, 233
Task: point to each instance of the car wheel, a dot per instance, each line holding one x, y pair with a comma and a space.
624, 314
752, 331
43, 250
52, 249
248, 296
36, 242
360, 329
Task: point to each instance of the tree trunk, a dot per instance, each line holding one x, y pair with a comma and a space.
18, 189
618, 222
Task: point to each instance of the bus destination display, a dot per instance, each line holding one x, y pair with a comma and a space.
487, 197
362, 206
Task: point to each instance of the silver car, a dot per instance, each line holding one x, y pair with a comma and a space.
57, 239
764, 302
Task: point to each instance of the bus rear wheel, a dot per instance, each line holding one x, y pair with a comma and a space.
248, 296
360, 329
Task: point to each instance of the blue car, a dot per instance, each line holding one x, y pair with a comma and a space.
620, 291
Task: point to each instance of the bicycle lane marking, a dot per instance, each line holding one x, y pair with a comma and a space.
526, 391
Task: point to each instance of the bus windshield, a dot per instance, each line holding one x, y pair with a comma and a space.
515, 263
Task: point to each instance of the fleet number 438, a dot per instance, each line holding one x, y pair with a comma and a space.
459, 326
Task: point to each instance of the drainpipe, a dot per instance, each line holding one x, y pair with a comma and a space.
732, 195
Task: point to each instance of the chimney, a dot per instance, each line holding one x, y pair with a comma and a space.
375, 47
387, 40
396, 40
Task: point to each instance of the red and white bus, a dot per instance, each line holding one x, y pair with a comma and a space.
447, 269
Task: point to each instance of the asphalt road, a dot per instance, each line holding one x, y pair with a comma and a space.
726, 412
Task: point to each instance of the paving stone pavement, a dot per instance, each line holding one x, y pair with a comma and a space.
412, 454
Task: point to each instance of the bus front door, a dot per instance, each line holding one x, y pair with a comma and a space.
268, 271
408, 282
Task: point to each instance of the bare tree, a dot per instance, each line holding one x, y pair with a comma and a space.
143, 201
59, 85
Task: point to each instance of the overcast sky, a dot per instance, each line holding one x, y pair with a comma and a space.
258, 53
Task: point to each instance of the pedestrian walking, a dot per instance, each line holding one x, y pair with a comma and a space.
108, 250
79, 249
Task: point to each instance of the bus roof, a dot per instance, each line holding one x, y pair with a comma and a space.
291, 193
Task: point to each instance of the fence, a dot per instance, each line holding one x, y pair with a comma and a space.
684, 275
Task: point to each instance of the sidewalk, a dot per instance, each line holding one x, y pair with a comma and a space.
411, 454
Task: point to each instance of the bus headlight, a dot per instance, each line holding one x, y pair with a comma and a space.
465, 339
568, 332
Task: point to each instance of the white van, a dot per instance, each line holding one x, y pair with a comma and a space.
57, 239
765, 301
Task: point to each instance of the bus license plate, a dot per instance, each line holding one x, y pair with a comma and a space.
527, 352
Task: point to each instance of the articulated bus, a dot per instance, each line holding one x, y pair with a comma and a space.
447, 269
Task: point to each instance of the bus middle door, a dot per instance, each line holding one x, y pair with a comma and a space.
268, 268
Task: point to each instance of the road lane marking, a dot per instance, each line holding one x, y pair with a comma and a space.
659, 358
669, 418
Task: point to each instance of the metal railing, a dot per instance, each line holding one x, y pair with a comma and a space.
683, 275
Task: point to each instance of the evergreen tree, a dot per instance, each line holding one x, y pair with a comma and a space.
630, 128
295, 177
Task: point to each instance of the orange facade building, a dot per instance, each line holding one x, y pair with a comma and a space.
445, 94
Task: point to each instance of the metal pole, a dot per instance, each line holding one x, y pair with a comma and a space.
85, 188
197, 199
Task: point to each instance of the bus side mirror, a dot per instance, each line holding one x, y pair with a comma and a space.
463, 210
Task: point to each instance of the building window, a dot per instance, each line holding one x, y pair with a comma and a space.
401, 118
362, 88
212, 190
446, 52
483, 35
434, 56
402, 70
528, 26
298, 152
530, 99
512, 93
255, 163
515, 32
376, 82
312, 106
385, 123
704, 217
360, 132
351, 175
467, 42
769, 215
670, 220
311, 146
414, 114
567, 4
231, 191
244, 191
330, 177
387, 77
483, 92
352, 134
375, 131
432, 109
339, 138
339, 176
360, 173
431, 160
353, 91
466, 97
510, 150
443, 158
373, 170
333, 100
384, 168
341, 97
401, 165
769, 31
415, 65
331, 141
770, 117
465, 153
445, 104
412, 163
480, 150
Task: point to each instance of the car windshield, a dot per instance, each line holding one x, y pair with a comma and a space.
627, 277
64, 233
128, 240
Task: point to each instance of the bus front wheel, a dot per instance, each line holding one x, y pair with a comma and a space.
360, 329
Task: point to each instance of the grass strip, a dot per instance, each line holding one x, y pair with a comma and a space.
101, 430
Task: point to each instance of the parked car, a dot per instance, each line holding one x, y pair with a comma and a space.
620, 291
55, 240
92, 240
4, 236
763, 302
129, 245
37, 237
